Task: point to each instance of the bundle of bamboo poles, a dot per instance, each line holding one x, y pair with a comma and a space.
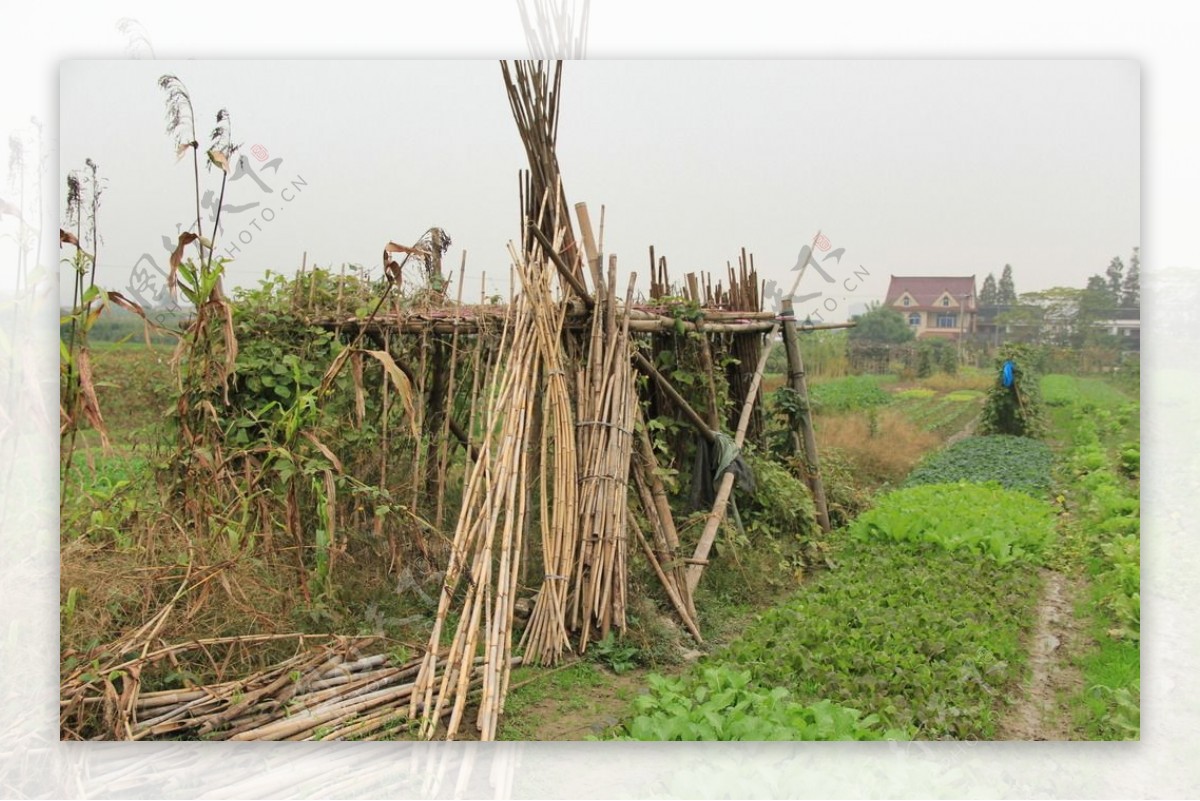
606, 402
533, 89
492, 505
744, 295
488, 539
332, 692
546, 636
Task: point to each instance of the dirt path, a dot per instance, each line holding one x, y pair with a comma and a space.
1041, 713
967, 431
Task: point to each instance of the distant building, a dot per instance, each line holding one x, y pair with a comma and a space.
935, 306
1054, 320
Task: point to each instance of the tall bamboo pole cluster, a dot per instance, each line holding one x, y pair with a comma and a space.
486, 546
606, 401
530, 392
744, 294
533, 92
546, 637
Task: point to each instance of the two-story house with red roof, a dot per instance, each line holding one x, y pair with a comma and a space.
935, 306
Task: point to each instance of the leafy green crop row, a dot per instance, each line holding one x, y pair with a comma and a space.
942, 415
1066, 390
1101, 528
721, 703
1110, 512
1016, 463
927, 640
984, 519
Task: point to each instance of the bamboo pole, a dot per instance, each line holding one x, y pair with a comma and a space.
693, 417
706, 360
804, 433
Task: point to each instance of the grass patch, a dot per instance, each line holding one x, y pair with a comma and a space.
1016, 463
133, 387
1066, 390
967, 378
849, 394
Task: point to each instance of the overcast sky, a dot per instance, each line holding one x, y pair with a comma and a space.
914, 167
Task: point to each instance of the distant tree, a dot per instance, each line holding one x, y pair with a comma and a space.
1096, 302
881, 324
987, 295
1114, 276
1024, 321
1006, 293
1131, 290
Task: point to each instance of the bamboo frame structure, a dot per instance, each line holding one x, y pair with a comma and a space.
556, 457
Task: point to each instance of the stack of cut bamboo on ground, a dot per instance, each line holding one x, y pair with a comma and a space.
334, 692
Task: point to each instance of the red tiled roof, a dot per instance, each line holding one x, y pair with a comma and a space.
926, 290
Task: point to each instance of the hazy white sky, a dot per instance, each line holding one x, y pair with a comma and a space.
914, 167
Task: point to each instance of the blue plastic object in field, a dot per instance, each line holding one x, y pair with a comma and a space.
1008, 373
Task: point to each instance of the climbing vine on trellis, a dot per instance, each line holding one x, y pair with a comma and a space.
1014, 402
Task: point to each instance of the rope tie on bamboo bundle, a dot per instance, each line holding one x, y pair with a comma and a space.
607, 423
617, 479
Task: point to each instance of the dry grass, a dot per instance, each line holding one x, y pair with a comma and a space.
773, 381
883, 458
114, 590
966, 378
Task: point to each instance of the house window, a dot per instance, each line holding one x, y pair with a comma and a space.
947, 321
906, 301
945, 301
914, 319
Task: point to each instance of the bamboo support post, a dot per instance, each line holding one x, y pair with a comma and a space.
804, 434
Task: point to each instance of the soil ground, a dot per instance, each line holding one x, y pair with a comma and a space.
1041, 711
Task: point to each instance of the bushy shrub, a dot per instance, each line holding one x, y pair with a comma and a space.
782, 503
